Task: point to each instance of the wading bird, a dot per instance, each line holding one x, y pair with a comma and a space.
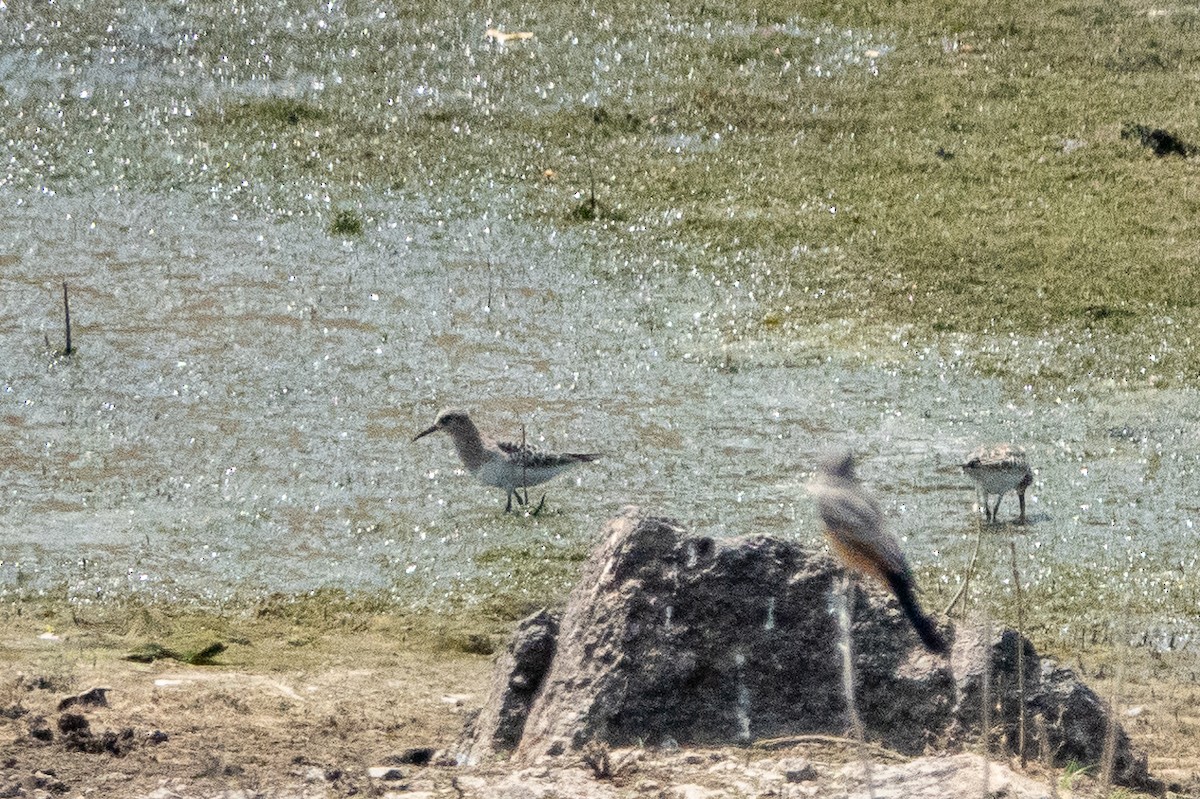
998, 469
503, 464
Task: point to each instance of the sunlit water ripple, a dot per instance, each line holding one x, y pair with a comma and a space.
238, 418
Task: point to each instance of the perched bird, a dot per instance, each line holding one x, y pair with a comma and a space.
854, 526
998, 469
503, 464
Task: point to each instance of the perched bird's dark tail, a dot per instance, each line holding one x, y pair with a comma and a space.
901, 585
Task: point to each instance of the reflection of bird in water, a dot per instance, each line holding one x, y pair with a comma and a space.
854, 525
502, 464
998, 469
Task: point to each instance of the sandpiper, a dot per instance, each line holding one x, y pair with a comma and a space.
854, 526
998, 469
503, 464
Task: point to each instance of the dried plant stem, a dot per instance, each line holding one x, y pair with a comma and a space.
524, 471
846, 644
962, 589
1109, 753
1047, 755
1012, 545
985, 732
67, 350
591, 186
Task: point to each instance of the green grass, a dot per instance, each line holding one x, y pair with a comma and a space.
939, 196
941, 190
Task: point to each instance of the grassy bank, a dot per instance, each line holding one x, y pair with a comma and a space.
941, 168
951, 169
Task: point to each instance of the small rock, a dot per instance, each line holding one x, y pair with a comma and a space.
797, 769
14, 711
93, 697
385, 773
311, 774
39, 730
118, 744
46, 780
415, 756
73, 724
156, 737
1162, 142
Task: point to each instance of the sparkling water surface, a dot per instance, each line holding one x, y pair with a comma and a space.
237, 419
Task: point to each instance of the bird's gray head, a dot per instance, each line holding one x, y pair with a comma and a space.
837, 463
448, 419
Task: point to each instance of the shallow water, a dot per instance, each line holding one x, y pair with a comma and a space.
238, 418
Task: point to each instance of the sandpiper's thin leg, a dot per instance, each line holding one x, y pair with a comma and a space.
508, 507
538, 509
1021, 499
996, 508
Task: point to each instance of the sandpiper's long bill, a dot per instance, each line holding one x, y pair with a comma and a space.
503, 464
854, 526
998, 469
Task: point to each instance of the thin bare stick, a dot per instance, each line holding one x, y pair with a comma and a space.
1012, 544
1047, 755
962, 589
67, 318
524, 467
1109, 753
847, 646
789, 741
986, 720
591, 186
489, 268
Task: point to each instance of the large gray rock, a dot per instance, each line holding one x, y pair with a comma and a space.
676, 638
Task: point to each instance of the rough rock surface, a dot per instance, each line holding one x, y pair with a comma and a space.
677, 639
519, 672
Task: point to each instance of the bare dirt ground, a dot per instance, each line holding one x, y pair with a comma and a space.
334, 708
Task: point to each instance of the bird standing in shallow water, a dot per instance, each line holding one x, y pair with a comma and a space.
503, 464
854, 526
998, 469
